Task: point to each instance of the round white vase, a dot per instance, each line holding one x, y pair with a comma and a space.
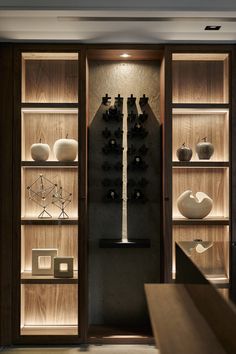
40, 152
65, 149
194, 206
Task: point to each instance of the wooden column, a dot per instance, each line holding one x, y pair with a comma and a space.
6, 116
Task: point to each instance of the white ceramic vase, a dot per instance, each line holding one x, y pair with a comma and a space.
40, 152
194, 206
65, 149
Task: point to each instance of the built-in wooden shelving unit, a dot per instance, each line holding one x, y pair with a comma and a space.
201, 108
49, 111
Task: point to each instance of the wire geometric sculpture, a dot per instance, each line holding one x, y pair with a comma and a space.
61, 199
39, 192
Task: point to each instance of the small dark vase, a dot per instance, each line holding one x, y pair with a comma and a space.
184, 153
204, 149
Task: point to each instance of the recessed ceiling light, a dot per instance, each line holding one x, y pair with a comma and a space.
125, 55
212, 28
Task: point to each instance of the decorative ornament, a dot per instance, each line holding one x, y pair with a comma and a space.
184, 153
194, 206
66, 149
40, 193
61, 199
40, 151
63, 267
204, 149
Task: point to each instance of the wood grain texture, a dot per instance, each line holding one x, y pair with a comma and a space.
199, 82
50, 305
67, 178
215, 261
114, 54
51, 81
48, 127
50, 330
213, 182
191, 128
64, 238
173, 312
200, 56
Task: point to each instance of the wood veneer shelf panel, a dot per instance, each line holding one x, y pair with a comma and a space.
50, 80
62, 237
49, 305
36, 221
50, 56
191, 127
205, 221
213, 261
66, 177
213, 182
200, 81
70, 164
28, 278
49, 330
200, 56
207, 164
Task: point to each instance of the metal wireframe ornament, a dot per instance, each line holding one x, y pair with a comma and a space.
40, 193
61, 199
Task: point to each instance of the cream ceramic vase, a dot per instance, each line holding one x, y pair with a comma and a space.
40, 152
194, 206
65, 149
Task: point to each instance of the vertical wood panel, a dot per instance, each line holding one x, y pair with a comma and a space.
83, 167
51, 81
199, 82
50, 304
6, 114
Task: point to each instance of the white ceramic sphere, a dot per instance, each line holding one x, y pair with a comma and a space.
194, 206
65, 149
40, 152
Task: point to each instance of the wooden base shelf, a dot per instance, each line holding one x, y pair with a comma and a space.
30, 221
205, 164
196, 106
28, 278
43, 164
49, 105
49, 330
206, 221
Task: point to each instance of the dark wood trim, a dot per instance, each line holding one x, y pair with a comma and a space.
206, 164
16, 195
6, 104
206, 221
58, 164
167, 169
83, 190
233, 174
70, 221
49, 105
201, 105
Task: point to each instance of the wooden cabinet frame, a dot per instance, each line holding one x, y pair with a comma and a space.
10, 69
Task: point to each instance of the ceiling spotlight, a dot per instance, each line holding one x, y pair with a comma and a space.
212, 28
125, 55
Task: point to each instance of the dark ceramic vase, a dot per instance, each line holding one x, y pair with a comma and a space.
184, 153
204, 149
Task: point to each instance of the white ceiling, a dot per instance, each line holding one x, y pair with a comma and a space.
169, 20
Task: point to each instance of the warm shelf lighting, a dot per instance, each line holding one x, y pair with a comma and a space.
125, 55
